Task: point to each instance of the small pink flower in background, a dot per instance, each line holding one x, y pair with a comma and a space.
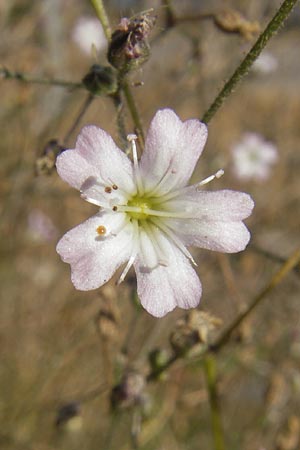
253, 157
148, 215
88, 32
41, 227
265, 64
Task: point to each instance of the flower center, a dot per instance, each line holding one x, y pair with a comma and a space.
142, 206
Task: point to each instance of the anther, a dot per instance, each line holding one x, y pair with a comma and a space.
115, 187
101, 230
107, 189
115, 208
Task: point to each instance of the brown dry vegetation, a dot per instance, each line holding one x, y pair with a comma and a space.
55, 348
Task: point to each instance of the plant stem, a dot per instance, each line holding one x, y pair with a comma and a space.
81, 113
289, 265
211, 381
279, 276
102, 16
245, 65
25, 78
133, 111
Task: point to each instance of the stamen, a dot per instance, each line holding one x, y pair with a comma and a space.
218, 174
175, 239
169, 196
153, 212
92, 201
138, 178
135, 249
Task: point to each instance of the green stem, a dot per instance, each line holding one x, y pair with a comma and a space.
25, 78
211, 381
102, 16
245, 65
133, 111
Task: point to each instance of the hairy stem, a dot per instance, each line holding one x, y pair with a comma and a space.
133, 111
102, 16
211, 381
245, 65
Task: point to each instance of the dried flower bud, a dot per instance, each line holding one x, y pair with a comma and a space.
232, 21
45, 164
129, 47
100, 80
129, 391
194, 329
69, 415
107, 320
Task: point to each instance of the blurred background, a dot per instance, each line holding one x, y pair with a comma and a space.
62, 350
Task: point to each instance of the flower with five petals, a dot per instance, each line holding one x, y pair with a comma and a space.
148, 214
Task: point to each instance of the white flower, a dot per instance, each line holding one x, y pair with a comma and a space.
148, 215
253, 157
265, 64
88, 32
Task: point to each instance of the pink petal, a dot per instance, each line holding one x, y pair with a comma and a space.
217, 219
171, 151
227, 237
95, 258
95, 155
223, 205
163, 288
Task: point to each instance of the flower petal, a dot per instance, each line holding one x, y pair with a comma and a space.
163, 288
95, 155
171, 151
215, 221
94, 258
223, 205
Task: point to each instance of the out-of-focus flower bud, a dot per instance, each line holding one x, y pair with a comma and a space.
68, 416
129, 47
232, 21
158, 359
193, 331
108, 322
100, 80
129, 392
45, 164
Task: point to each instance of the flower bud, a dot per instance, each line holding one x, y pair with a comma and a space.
232, 21
129, 391
193, 331
68, 416
100, 80
129, 47
45, 163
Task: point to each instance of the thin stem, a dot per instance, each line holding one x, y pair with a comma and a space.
133, 111
211, 381
117, 100
102, 16
245, 65
279, 276
26, 78
81, 113
275, 280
